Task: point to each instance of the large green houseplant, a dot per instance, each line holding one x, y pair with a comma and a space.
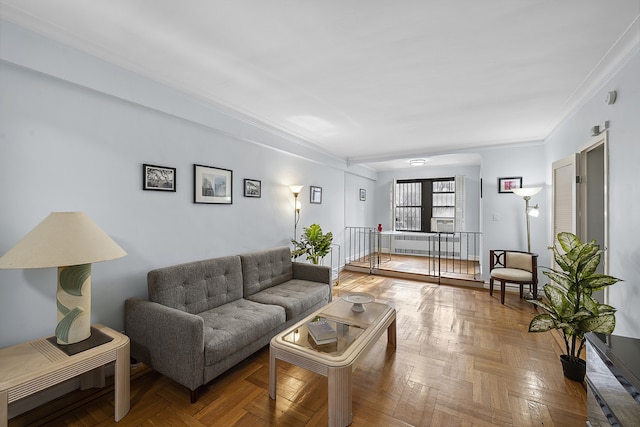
313, 243
570, 306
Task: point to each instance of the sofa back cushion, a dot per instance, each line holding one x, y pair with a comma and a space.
197, 286
263, 269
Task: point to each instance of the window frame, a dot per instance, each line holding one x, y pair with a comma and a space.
425, 209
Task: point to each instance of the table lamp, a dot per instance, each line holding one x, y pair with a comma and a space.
70, 241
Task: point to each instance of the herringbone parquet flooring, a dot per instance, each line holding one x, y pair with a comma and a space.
463, 359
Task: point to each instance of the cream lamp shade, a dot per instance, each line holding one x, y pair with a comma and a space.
70, 241
527, 191
295, 189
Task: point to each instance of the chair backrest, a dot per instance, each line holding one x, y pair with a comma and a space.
520, 261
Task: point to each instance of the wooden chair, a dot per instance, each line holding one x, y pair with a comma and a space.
513, 267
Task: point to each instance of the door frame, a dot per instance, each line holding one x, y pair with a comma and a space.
596, 142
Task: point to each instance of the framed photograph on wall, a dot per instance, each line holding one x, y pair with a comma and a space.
212, 185
506, 185
315, 194
252, 188
158, 178
363, 194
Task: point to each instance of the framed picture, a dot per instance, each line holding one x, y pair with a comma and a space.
506, 185
212, 185
315, 195
363, 194
160, 178
252, 188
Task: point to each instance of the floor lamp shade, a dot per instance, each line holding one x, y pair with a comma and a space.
70, 241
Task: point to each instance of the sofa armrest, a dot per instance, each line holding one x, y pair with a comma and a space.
313, 273
171, 341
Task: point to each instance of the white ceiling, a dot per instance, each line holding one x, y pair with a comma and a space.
370, 81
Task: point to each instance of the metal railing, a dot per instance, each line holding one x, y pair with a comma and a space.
445, 253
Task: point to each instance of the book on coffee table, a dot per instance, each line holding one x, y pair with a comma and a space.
322, 332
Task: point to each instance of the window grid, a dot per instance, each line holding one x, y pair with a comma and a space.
410, 210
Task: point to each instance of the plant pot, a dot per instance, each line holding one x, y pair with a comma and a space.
573, 368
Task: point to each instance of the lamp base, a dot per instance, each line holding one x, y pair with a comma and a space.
96, 339
73, 302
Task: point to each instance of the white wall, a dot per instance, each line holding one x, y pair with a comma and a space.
74, 132
472, 186
73, 140
534, 162
359, 213
503, 214
624, 161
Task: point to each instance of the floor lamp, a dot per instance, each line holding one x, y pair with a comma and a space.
526, 194
70, 241
295, 189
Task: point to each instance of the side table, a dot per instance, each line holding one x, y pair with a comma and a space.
36, 365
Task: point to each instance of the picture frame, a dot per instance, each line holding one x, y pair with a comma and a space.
158, 178
252, 188
212, 185
363, 195
315, 194
506, 185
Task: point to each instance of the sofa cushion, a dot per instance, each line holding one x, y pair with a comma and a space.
263, 269
197, 286
296, 296
233, 326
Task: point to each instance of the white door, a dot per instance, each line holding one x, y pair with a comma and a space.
565, 196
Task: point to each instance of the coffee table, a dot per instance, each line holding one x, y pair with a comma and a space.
357, 333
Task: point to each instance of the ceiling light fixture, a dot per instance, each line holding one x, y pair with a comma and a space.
417, 162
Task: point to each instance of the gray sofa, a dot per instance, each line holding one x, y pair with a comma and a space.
204, 317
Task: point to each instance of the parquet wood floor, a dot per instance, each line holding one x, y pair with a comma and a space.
426, 266
463, 359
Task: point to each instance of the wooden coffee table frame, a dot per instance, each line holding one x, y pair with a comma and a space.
337, 369
33, 366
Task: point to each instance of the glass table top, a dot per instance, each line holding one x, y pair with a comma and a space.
349, 325
345, 333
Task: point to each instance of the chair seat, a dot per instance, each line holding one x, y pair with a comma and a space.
511, 275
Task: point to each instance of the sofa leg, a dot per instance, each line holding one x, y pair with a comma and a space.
193, 395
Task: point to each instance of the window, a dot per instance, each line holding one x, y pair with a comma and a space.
426, 205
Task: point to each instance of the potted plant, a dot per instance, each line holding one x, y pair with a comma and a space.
313, 243
570, 306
